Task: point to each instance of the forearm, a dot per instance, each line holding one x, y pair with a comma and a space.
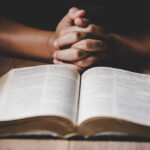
20, 40
132, 48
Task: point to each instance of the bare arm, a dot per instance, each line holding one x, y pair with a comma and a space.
130, 48
21, 40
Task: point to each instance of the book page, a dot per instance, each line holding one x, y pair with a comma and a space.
96, 94
2, 83
61, 94
40, 90
108, 92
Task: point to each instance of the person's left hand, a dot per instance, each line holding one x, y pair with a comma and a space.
86, 47
75, 17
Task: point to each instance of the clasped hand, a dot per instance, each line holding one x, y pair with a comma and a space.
80, 46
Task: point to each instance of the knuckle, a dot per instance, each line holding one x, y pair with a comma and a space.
86, 43
81, 64
72, 9
79, 53
80, 70
77, 68
92, 60
58, 55
77, 36
91, 28
57, 43
99, 44
87, 62
76, 54
61, 32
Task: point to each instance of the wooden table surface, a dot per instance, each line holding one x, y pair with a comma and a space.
7, 63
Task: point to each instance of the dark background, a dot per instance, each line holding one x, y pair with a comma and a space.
124, 16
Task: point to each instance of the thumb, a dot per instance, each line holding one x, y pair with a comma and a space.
73, 13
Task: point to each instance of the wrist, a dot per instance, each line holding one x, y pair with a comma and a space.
50, 45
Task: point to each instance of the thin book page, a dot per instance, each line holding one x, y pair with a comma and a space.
61, 94
2, 83
132, 97
40, 90
108, 92
96, 94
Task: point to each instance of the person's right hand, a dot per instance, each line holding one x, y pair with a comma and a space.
85, 47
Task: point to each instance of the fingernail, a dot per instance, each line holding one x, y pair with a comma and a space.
55, 44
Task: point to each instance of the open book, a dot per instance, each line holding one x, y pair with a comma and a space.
56, 99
